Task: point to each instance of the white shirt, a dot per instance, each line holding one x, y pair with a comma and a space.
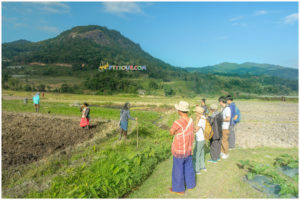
226, 113
200, 132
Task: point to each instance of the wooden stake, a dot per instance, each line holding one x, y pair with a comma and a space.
137, 134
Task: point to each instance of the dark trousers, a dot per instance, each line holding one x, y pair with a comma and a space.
183, 174
215, 149
231, 138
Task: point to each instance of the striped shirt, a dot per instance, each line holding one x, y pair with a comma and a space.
183, 138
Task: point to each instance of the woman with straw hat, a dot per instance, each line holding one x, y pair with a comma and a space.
183, 131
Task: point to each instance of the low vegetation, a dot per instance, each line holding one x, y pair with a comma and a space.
288, 187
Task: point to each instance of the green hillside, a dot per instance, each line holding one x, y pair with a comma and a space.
250, 69
59, 60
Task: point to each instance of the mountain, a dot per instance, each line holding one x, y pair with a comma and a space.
249, 68
88, 45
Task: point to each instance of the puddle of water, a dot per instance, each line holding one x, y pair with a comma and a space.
265, 185
288, 171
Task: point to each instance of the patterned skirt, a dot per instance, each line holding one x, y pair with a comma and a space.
84, 122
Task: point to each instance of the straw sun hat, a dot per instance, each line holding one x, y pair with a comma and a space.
213, 107
182, 106
199, 109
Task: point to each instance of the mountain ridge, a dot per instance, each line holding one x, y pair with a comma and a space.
250, 68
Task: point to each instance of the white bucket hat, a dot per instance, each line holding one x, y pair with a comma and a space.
182, 106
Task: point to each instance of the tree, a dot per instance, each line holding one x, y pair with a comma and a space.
65, 88
153, 85
27, 87
169, 91
41, 87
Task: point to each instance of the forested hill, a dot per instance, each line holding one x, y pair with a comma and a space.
250, 69
88, 45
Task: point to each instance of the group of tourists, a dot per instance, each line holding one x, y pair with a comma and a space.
210, 124
190, 136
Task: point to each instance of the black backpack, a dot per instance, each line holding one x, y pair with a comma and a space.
216, 124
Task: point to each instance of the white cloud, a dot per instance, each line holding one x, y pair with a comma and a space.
49, 29
260, 12
9, 19
241, 24
236, 18
53, 7
40, 7
224, 37
120, 8
290, 19
20, 25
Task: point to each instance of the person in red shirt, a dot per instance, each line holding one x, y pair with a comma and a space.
183, 131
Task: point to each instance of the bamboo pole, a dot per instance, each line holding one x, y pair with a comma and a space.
137, 134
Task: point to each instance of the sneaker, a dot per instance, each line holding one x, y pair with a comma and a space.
198, 173
212, 161
222, 154
225, 156
180, 193
204, 169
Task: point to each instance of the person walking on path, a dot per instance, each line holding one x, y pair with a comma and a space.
183, 173
203, 105
215, 120
225, 127
36, 102
234, 116
124, 116
199, 154
85, 116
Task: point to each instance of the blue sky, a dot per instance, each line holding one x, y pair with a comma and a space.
192, 34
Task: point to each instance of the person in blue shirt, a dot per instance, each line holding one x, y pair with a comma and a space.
124, 116
36, 102
232, 106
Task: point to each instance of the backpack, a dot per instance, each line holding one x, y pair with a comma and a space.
208, 131
216, 124
238, 113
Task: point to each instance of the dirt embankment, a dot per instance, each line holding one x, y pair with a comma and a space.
29, 137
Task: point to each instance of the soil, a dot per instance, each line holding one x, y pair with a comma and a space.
272, 124
29, 137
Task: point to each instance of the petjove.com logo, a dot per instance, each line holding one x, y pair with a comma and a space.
122, 67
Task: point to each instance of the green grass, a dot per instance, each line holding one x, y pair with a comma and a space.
65, 109
222, 180
117, 168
